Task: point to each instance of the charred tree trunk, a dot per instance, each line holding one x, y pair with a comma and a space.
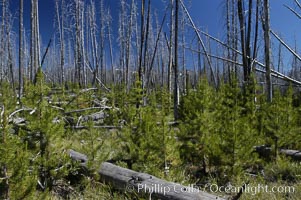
256, 31
248, 40
229, 39
140, 69
242, 39
10, 60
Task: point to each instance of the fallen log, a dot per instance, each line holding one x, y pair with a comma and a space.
96, 127
266, 151
79, 157
263, 150
19, 110
18, 121
141, 183
101, 103
82, 110
94, 116
60, 103
132, 181
172, 123
294, 154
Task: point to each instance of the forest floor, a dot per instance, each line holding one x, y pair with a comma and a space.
144, 138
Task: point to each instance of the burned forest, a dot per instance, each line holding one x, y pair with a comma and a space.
143, 99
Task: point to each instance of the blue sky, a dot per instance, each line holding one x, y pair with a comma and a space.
207, 14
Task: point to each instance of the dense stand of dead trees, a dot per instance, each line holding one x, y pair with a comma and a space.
150, 47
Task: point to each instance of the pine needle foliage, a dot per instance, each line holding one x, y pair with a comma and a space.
220, 128
16, 179
43, 132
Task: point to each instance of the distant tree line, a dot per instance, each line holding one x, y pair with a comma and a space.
156, 47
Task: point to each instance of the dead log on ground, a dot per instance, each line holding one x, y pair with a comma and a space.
142, 183
96, 127
266, 151
172, 123
103, 102
79, 157
82, 110
263, 151
94, 117
294, 154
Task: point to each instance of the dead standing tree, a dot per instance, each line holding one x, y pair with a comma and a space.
102, 33
141, 68
10, 52
108, 25
228, 25
60, 12
153, 56
146, 44
122, 40
246, 31
94, 44
176, 89
21, 52
35, 40
82, 42
245, 38
6, 59
2, 45
128, 46
267, 49
170, 47
232, 37
79, 57
201, 43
